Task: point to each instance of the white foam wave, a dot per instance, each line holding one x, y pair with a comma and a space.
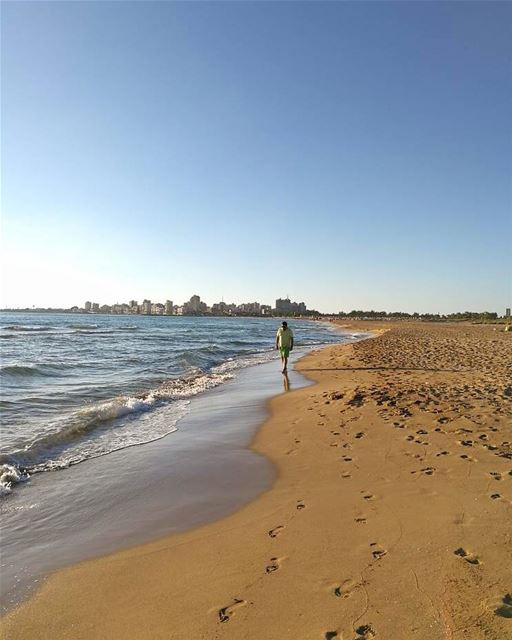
9, 476
116, 408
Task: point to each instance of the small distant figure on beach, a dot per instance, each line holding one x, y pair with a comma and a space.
284, 342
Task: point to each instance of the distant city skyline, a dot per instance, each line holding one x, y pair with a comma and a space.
282, 307
353, 154
193, 306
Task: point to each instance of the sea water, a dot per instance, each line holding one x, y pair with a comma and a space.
79, 386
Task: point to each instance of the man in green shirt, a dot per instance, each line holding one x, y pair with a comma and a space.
284, 342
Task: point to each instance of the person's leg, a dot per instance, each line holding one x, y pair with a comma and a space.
285, 359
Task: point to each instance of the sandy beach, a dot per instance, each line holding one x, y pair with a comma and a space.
389, 517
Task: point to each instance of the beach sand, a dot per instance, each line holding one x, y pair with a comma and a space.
390, 517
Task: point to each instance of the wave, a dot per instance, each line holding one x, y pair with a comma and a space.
82, 326
83, 435
30, 370
19, 370
100, 331
27, 329
95, 328
94, 332
9, 476
107, 426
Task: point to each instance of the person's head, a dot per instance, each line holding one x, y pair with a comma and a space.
285, 324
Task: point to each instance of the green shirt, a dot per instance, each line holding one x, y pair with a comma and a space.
284, 337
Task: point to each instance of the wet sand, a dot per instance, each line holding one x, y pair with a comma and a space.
390, 516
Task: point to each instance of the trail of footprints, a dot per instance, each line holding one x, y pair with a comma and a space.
398, 406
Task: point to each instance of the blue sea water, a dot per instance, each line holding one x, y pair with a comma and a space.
74, 386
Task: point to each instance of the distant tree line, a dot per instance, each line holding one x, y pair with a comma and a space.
471, 316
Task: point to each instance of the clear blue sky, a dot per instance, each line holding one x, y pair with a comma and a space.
351, 154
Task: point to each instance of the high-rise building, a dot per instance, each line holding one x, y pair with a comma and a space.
157, 309
286, 307
95, 307
146, 307
283, 306
168, 308
194, 306
87, 306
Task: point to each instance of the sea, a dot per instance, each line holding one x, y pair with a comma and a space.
77, 386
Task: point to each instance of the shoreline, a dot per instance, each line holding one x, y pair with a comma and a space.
140, 494
209, 439
380, 523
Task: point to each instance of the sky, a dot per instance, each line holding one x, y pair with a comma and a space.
351, 155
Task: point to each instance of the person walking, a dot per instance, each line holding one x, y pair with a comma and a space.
284, 342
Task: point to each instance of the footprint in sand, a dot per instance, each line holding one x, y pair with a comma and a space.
427, 471
273, 533
226, 612
360, 520
346, 459
365, 632
496, 475
344, 590
300, 505
360, 435
273, 566
368, 496
377, 551
468, 557
346, 475
495, 496
330, 635
505, 609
